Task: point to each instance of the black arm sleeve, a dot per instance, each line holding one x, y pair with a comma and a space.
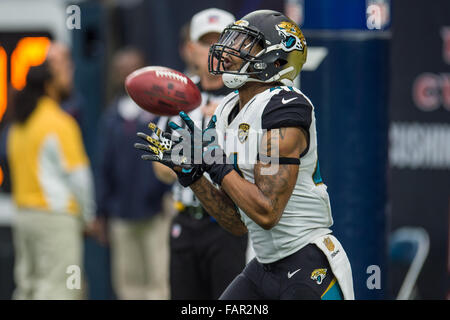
287, 109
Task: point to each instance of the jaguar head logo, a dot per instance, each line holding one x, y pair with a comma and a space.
318, 275
292, 36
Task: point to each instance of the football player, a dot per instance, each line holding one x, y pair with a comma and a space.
272, 188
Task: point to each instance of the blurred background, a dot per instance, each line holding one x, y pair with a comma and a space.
378, 73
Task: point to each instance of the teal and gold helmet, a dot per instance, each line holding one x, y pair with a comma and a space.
280, 58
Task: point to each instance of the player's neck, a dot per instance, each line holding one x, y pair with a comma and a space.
249, 90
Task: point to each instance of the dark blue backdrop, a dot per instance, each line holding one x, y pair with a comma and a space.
349, 90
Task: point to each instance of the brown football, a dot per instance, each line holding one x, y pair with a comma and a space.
162, 91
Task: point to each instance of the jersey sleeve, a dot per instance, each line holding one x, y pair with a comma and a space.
287, 109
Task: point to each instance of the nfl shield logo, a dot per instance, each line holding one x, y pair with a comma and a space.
328, 243
243, 132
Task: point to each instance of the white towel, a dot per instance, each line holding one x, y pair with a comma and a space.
340, 265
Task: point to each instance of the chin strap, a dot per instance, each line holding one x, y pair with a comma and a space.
236, 80
280, 74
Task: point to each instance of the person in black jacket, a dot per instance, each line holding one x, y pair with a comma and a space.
130, 197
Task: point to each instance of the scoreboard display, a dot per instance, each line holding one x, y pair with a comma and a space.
18, 52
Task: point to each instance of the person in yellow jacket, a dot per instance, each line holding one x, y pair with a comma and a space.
51, 184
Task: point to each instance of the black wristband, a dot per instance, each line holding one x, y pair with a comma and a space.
188, 178
218, 171
280, 160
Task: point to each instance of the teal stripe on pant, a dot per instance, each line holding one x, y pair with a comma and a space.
333, 293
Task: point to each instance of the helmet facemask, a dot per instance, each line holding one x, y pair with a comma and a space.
239, 42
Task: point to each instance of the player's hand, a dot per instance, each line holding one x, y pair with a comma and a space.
192, 139
195, 141
204, 147
164, 149
159, 149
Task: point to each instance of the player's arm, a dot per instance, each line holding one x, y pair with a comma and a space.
264, 201
219, 205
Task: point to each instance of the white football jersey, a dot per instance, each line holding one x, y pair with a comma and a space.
307, 214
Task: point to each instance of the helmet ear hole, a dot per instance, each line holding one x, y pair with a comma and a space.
262, 44
280, 62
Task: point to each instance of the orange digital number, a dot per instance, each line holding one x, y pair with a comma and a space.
3, 82
29, 52
3, 91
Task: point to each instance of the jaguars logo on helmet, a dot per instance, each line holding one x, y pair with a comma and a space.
292, 36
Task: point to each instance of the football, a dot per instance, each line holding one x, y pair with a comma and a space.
162, 90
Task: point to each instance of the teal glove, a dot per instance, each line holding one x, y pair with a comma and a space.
167, 150
204, 148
